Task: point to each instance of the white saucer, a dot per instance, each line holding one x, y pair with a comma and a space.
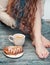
14, 56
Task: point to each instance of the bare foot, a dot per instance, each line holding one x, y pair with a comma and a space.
41, 51
45, 42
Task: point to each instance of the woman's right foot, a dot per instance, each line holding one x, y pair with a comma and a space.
41, 51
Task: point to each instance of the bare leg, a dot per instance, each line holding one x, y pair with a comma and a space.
41, 51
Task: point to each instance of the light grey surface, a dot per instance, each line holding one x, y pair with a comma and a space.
29, 57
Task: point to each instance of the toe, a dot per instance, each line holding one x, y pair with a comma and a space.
46, 54
40, 55
49, 45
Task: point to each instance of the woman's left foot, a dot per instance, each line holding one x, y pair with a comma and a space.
45, 42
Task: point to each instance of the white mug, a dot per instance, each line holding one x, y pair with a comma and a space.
17, 39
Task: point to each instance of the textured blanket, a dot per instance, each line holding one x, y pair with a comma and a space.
29, 57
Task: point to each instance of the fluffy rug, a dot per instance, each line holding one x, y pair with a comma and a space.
29, 57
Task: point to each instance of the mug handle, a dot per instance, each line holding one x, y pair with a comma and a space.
10, 37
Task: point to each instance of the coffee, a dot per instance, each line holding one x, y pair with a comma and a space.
17, 39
